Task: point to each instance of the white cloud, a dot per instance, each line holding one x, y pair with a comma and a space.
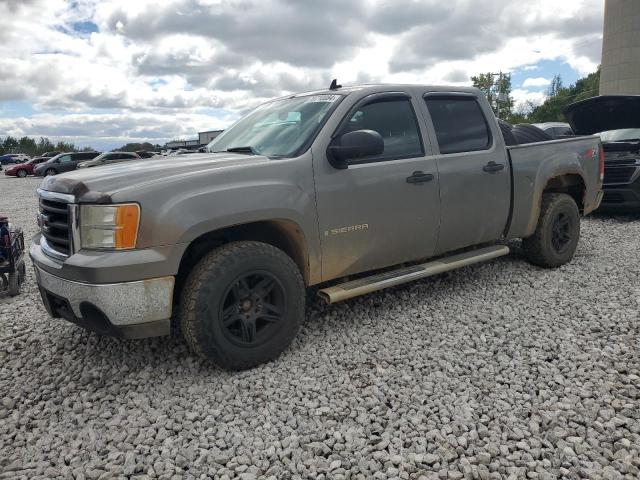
156, 61
536, 82
523, 98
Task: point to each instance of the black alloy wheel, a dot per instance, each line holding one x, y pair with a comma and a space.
561, 232
253, 308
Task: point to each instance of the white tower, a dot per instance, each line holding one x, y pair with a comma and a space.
620, 73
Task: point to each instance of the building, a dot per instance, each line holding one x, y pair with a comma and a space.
206, 137
202, 141
620, 73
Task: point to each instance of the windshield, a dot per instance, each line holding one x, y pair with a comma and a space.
101, 156
278, 128
620, 135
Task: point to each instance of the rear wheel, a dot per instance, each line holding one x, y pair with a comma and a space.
22, 173
50, 172
242, 304
556, 237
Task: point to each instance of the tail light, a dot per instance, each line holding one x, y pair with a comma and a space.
601, 148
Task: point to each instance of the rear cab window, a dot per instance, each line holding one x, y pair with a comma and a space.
459, 123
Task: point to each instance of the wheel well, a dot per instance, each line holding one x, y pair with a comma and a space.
573, 185
283, 234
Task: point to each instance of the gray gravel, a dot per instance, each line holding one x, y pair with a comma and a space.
501, 370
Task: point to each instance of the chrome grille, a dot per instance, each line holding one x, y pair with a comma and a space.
55, 222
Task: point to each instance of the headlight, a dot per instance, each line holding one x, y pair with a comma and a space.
113, 227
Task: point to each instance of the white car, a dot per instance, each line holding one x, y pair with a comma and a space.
15, 158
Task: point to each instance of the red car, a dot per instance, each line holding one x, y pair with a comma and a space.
23, 169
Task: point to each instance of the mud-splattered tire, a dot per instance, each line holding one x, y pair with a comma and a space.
558, 232
242, 304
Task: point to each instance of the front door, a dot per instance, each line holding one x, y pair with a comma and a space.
474, 172
380, 211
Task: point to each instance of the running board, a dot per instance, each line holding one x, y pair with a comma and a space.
392, 278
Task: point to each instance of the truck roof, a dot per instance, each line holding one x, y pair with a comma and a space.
379, 87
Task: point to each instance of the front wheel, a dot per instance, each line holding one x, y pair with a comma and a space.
556, 237
50, 172
22, 173
242, 304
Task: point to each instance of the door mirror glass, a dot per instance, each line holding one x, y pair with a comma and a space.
354, 145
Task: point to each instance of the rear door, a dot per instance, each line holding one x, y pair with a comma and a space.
381, 210
473, 169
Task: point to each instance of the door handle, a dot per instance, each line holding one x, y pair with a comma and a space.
419, 177
493, 167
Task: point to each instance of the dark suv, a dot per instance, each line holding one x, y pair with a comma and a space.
65, 162
616, 119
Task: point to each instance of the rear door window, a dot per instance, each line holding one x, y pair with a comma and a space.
459, 123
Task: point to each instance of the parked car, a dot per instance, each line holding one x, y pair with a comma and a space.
616, 119
146, 154
11, 158
229, 240
108, 158
23, 169
556, 129
65, 162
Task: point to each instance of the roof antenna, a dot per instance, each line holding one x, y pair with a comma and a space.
334, 85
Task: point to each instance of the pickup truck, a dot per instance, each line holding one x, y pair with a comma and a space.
349, 189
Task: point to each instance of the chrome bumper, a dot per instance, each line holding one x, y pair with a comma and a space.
120, 306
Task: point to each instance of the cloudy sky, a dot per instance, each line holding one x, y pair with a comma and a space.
105, 72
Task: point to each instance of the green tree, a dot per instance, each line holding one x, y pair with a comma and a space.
31, 146
551, 109
497, 89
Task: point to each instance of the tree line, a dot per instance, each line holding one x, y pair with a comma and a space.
32, 147
558, 96
35, 147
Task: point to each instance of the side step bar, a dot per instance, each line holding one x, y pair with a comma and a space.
392, 278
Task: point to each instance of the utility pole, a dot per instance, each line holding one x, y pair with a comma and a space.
499, 94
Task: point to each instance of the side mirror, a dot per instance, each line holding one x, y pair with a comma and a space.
354, 145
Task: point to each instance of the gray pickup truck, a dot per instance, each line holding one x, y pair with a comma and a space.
349, 189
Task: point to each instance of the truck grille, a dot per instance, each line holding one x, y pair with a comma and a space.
612, 197
55, 225
618, 174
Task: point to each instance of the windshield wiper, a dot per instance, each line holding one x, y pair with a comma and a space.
242, 150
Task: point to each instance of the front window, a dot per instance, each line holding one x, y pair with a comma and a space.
625, 134
278, 128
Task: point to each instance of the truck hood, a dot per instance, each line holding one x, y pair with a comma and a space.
604, 113
97, 184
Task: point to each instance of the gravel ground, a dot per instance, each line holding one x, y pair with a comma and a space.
502, 370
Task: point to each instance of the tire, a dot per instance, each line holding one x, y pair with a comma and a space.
21, 173
526, 133
242, 305
50, 172
14, 284
558, 232
507, 133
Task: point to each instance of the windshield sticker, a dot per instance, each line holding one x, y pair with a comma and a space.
322, 98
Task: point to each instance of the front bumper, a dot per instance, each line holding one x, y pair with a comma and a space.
129, 309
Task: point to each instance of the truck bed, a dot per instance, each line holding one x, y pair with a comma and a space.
534, 165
